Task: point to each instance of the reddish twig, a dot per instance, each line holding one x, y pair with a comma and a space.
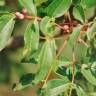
27, 17
32, 17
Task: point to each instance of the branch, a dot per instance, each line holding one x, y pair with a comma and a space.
73, 71
24, 15
58, 54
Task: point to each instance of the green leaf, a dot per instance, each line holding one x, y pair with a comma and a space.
58, 90
80, 54
94, 41
80, 91
47, 26
76, 2
66, 55
55, 83
61, 71
29, 61
78, 13
54, 65
57, 86
39, 2
20, 86
31, 36
58, 7
91, 31
89, 10
25, 81
74, 36
89, 76
88, 3
29, 5
6, 27
64, 63
45, 58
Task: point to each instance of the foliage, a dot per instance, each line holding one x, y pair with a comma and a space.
59, 39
